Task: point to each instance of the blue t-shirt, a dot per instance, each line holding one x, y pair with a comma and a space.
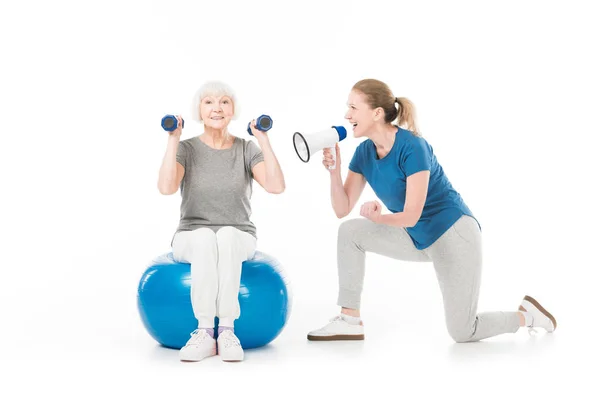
387, 176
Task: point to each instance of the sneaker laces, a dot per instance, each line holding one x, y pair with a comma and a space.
198, 336
337, 318
530, 330
230, 339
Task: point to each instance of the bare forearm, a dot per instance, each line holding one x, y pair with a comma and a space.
399, 219
274, 180
339, 198
167, 175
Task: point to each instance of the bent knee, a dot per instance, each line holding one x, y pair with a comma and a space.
461, 338
462, 333
227, 234
202, 235
350, 227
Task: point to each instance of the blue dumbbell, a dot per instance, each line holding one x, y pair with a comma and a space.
169, 123
263, 123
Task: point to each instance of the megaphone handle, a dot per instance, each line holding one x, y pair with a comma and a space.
333, 155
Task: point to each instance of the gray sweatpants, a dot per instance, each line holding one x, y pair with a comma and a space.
456, 257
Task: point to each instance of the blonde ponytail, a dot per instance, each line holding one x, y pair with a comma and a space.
406, 115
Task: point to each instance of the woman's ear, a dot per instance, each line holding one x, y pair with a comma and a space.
378, 114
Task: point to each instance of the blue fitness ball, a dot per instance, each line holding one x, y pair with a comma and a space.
165, 306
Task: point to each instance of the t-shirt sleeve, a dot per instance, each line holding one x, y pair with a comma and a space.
182, 154
357, 161
417, 157
254, 155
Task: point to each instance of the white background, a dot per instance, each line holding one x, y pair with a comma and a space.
506, 93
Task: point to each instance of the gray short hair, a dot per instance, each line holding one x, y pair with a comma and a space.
213, 88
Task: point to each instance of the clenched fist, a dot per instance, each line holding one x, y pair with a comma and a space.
371, 210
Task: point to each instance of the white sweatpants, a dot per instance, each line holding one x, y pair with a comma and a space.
216, 268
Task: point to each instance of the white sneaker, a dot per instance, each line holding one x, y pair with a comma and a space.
200, 346
338, 329
541, 317
230, 348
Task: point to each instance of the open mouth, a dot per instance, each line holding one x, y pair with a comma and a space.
216, 118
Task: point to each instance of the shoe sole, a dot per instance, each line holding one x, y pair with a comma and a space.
539, 307
232, 359
335, 337
195, 360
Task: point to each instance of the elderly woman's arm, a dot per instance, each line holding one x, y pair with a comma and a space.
171, 172
267, 173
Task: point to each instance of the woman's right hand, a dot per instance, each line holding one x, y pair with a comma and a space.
328, 158
177, 132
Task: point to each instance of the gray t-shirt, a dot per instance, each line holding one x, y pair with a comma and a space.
217, 185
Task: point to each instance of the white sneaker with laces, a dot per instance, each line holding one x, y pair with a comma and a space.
338, 329
198, 347
230, 348
541, 317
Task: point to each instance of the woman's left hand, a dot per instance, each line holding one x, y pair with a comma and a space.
258, 134
371, 210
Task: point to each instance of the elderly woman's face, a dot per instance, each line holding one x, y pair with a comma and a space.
216, 111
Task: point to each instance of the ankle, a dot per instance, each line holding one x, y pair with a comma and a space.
351, 320
351, 312
525, 318
210, 331
224, 328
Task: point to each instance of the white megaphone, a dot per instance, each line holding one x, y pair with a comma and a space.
307, 145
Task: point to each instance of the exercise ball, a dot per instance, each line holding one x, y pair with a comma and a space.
165, 305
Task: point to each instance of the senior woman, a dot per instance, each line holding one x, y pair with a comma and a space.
215, 235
